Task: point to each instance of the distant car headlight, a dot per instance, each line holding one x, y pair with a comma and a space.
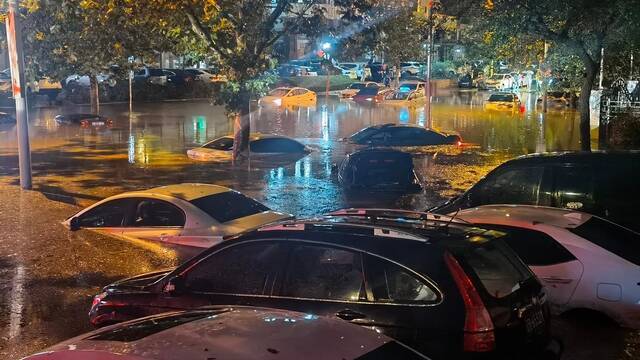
277, 102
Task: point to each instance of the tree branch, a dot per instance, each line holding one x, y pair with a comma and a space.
203, 33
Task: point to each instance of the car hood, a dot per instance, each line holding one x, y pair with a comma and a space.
141, 281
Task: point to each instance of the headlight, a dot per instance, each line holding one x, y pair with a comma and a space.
277, 102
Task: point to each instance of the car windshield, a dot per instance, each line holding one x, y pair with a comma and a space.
279, 92
228, 206
364, 134
407, 87
225, 143
383, 169
501, 97
368, 91
611, 237
400, 95
357, 86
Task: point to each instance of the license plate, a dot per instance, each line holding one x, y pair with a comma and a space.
533, 320
98, 123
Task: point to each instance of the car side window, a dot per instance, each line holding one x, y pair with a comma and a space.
515, 185
574, 187
109, 214
245, 269
535, 248
391, 283
317, 272
156, 213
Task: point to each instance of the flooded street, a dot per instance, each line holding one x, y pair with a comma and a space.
148, 148
46, 289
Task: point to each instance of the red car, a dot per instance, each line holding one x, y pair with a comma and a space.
371, 95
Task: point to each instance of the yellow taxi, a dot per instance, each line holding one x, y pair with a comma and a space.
503, 101
284, 96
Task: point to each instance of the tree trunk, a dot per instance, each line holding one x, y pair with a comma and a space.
93, 94
241, 125
585, 93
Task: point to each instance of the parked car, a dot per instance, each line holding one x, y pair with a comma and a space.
465, 82
443, 292
412, 85
354, 88
358, 68
84, 120
585, 262
411, 67
376, 71
378, 170
151, 76
503, 101
267, 145
196, 215
207, 333
498, 82
283, 96
205, 75
405, 98
598, 183
85, 81
402, 135
179, 77
371, 95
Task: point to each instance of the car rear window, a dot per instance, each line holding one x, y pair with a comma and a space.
611, 237
497, 267
228, 206
368, 91
500, 97
225, 143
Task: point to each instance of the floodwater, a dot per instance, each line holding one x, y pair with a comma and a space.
48, 274
148, 148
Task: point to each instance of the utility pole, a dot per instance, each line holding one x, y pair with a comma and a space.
18, 85
427, 90
601, 68
544, 79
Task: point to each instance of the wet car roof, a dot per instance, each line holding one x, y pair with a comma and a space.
528, 214
187, 191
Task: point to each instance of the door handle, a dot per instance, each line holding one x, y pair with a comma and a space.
350, 315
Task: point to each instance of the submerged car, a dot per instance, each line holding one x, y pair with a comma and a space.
557, 99
354, 88
226, 332
465, 82
267, 145
405, 98
443, 288
288, 96
371, 95
598, 183
498, 82
402, 135
84, 120
196, 215
412, 85
378, 170
585, 262
503, 101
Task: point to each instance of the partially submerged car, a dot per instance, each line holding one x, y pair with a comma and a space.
84, 120
354, 88
288, 96
195, 215
503, 101
412, 85
261, 145
585, 262
231, 333
405, 98
402, 135
371, 95
378, 170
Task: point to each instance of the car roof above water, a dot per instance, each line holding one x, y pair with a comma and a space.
185, 191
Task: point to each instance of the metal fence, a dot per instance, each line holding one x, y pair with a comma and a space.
611, 105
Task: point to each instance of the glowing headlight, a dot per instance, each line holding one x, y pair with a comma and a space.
369, 99
277, 102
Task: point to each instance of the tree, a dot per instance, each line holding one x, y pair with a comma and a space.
241, 34
577, 27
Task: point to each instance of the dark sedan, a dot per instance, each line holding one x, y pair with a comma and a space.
402, 135
84, 120
379, 170
440, 286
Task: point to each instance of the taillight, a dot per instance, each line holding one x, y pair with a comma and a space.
478, 327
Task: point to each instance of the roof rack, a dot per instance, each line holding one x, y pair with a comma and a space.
391, 214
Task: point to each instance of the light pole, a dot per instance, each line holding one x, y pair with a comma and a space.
18, 85
326, 46
427, 91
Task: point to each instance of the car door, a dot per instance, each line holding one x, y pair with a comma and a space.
237, 274
558, 269
108, 217
154, 219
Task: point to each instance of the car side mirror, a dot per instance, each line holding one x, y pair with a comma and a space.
74, 224
175, 286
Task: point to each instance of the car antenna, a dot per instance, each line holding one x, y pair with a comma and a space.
446, 227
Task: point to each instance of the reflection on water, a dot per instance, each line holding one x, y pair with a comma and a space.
148, 147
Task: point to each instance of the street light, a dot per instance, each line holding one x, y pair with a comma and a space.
326, 46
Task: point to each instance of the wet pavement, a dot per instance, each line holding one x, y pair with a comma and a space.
46, 288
